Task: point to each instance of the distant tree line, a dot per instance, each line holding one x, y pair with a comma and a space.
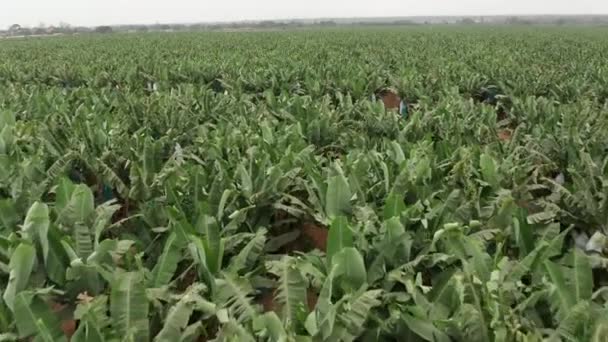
64, 28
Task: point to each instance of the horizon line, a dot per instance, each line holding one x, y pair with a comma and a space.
295, 19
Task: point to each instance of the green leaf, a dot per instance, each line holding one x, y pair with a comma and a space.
398, 154
29, 310
63, 193
83, 240
394, 230
526, 264
57, 261
214, 247
81, 206
222, 204
197, 250
249, 255
235, 331
166, 265
36, 226
583, 276
291, 289
523, 236
270, 324
9, 216
93, 317
177, 318
566, 296
6, 139
443, 291
192, 332
21, 266
489, 170
555, 242
337, 198
129, 306
339, 237
87, 332
45, 334
357, 310
234, 293
600, 329
541, 217
7, 118
425, 329
246, 182
575, 318
103, 217
350, 267
394, 206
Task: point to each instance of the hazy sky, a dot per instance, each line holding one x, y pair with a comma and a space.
97, 12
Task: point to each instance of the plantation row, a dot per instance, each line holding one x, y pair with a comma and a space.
249, 187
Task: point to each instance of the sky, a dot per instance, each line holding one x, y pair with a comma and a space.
112, 12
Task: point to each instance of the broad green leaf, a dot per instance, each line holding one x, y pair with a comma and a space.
80, 207
235, 331
166, 265
29, 310
583, 276
93, 316
36, 226
271, 325
192, 332
600, 330
394, 229
57, 261
489, 170
21, 267
63, 193
567, 298
394, 206
337, 198
525, 265
9, 216
245, 180
222, 204
103, 217
214, 247
84, 202
7, 118
249, 254
177, 318
575, 317
339, 237
350, 268
197, 250
357, 311
234, 293
555, 243
322, 320
523, 235
6, 139
182, 228
129, 306
83, 240
397, 152
425, 329
443, 291
45, 334
87, 332
291, 289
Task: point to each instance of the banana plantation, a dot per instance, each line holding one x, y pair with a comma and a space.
250, 186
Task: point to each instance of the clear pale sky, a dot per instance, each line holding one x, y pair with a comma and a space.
109, 12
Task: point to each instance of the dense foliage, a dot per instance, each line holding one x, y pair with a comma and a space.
246, 186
